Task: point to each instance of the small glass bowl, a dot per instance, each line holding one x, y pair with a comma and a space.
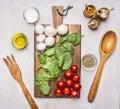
31, 15
89, 62
19, 40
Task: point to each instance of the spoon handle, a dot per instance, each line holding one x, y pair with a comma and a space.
28, 96
94, 87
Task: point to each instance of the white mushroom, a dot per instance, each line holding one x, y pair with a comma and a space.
50, 41
39, 29
50, 31
41, 46
40, 38
62, 29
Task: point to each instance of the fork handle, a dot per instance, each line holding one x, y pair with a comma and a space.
28, 96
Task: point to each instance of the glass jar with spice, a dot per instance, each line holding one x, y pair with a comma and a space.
89, 61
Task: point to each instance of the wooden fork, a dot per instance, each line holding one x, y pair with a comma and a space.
16, 73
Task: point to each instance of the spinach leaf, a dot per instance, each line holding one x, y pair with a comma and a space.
48, 61
54, 70
59, 51
42, 58
42, 78
65, 61
50, 51
78, 38
72, 37
63, 39
45, 89
69, 48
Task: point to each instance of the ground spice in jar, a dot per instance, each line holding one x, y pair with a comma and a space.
89, 11
89, 61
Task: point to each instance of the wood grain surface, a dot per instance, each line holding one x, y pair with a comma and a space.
57, 20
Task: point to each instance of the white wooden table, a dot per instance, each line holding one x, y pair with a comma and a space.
11, 21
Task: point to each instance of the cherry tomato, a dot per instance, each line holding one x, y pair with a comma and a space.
74, 68
66, 91
77, 86
68, 74
69, 83
61, 84
59, 92
74, 94
76, 78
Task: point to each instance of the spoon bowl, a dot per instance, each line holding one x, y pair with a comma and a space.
108, 42
107, 46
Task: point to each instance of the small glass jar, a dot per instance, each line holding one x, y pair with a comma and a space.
89, 62
31, 15
19, 40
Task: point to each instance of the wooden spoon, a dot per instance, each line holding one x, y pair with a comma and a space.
107, 46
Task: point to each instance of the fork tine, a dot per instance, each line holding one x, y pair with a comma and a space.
13, 58
9, 59
6, 62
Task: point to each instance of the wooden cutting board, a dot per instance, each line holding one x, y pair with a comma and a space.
57, 20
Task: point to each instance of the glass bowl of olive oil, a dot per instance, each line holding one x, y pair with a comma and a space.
89, 62
19, 40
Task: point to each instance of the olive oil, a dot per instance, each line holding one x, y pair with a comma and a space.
19, 40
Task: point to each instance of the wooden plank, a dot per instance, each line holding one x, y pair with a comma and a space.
57, 20
76, 60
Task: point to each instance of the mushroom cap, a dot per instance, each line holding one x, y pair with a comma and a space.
62, 29
50, 31
40, 38
50, 41
41, 46
39, 29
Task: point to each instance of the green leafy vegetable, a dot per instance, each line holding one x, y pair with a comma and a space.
42, 58
50, 51
78, 38
59, 51
63, 39
72, 37
56, 59
48, 61
65, 61
42, 78
45, 89
54, 70
69, 47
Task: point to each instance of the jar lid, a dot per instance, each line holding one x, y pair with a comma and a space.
89, 62
31, 15
19, 40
